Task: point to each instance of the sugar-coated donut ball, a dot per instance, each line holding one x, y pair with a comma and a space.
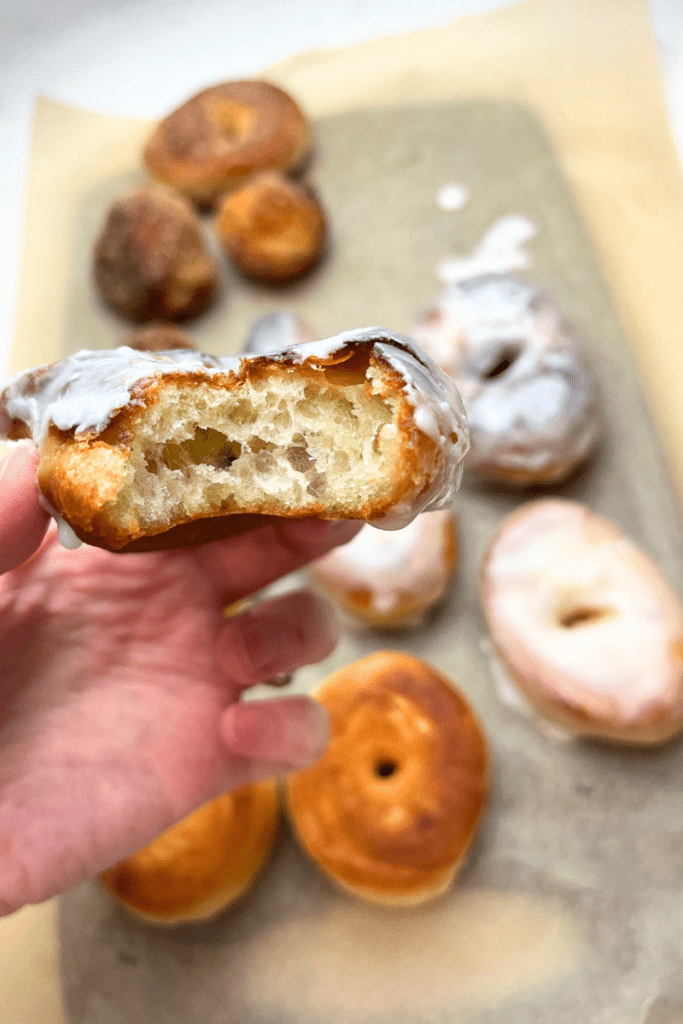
150, 261
273, 229
531, 397
203, 864
223, 135
390, 810
588, 627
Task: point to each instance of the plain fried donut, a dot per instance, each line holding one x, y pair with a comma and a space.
202, 865
138, 445
586, 624
392, 806
392, 579
531, 398
271, 228
150, 261
223, 135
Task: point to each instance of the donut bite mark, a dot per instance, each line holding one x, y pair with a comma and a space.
531, 398
391, 809
201, 866
272, 229
150, 261
223, 135
586, 624
148, 450
392, 580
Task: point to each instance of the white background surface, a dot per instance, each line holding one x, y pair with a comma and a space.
141, 57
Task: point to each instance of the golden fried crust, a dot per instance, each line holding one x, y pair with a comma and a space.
217, 139
80, 474
273, 229
392, 806
204, 863
150, 261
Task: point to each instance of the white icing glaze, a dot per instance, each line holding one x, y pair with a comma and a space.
84, 392
279, 329
500, 251
67, 537
411, 562
557, 557
452, 196
539, 413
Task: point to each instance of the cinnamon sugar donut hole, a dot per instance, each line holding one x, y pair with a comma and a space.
223, 135
273, 229
160, 338
390, 810
391, 580
150, 261
586, 624
202, 865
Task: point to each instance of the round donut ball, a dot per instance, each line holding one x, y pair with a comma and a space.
223, 135
202, 865
531, 398
392, 579
587, 626
150, 261
393, 805
273, 229
160, 338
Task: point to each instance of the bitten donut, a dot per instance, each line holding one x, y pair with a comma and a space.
531, 398
586, 624
141, 445
392, 580
223, 135
150, 261
160, 338
271, 228
279, 329
390, 810
202, 865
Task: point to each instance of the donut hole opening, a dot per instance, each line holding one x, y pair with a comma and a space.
584, 615
505, 358
385, 767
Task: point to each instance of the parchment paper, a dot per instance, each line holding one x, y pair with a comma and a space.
590, 69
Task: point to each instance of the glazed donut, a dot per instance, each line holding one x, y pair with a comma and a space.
391, 580
160, 338
150, 261
392, 806
271, 228
586, 624
531, 398
202, 865
223, 135
279, 329
136, 446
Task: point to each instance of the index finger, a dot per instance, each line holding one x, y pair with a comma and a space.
23, 521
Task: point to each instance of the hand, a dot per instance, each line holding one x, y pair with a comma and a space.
119, 685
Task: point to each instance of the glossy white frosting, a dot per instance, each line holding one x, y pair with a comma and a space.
279, 329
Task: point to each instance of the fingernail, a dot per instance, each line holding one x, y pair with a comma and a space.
265, 640
291, 731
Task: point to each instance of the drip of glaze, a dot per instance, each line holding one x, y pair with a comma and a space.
452, 196
67, 537
500, 251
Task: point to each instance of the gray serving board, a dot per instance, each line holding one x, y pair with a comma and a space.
571, 907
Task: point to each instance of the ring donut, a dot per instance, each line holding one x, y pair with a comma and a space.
390, 810
202, 865
586, 624
531, 398
392, 580
221, 136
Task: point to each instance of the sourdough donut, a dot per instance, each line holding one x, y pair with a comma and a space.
391, 580
159, 338
279, 329
150, 261
202, 865
586, 624
392, 806
271, 228
531, 398
135, 445
223, 135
